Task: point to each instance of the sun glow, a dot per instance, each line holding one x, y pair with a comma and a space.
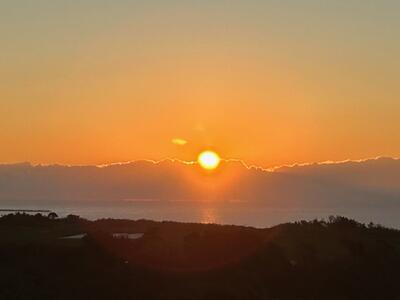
209, 160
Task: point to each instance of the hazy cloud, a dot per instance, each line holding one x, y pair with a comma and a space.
370, 183
179, 141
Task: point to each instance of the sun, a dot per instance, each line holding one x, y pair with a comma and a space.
209, 160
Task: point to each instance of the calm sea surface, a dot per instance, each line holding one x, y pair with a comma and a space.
237, 213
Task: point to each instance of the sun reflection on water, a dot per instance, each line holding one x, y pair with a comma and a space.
209, 216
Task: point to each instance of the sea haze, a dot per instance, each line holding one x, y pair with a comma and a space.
366, 190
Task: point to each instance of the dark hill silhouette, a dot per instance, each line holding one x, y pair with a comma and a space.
334, 259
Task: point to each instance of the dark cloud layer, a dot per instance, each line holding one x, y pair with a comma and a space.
371, 183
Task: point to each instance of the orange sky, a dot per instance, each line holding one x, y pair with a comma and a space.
266, 82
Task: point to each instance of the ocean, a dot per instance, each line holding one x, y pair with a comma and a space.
232, 213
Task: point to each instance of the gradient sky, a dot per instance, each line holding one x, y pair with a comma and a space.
269, 82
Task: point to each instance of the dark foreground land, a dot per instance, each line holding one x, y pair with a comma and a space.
337, 259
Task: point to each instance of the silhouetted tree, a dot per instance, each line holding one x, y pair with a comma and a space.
52, 216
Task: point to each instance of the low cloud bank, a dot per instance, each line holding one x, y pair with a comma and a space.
371, 183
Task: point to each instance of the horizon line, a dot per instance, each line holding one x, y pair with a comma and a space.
236, 160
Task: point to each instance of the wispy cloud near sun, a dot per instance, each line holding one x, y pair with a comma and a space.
179, 141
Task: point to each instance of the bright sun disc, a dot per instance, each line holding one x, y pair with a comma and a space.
209, 160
